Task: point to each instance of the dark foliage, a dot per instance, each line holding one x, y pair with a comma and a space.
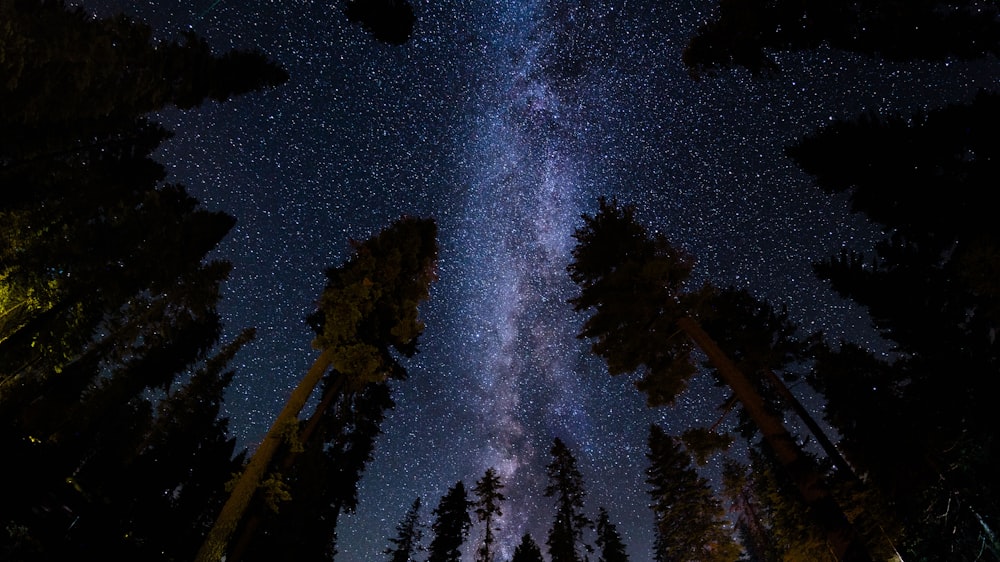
527, 550
609, 542
746, 32
110, 390
389, 21
690, 522
451, 525
918, 425
406, 543
565, 539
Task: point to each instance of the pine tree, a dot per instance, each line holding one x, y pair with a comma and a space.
566, 486
751, 521
744, 32
184, 458
389, 21
451, 525
635, 283
321, 482
107, 301
527, 550
406, 543
612, 549
489, 496
690, 522
367, 311
67, 77
921, 439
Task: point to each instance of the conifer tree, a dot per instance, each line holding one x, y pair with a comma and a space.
489, 496
746, 32
635, 283
565, 484
527, 550
608, 541
451, 525
690, 522
367, 312
918, 426
751, 521
406, 543
107, 301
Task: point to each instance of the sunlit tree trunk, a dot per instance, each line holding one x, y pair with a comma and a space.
256, 517
232, 511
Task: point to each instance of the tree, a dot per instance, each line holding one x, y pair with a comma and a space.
367, 311
690, 522
566, 486
68, 78
320, 476
745, 31
109, 392
184, 458
451, 525
608, 540
635, 284
527, 550
406, 543
923, 439
389, 21
488, 491
753, 530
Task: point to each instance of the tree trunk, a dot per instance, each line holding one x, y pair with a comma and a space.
842, 539
831, 450
214, 547
256, 517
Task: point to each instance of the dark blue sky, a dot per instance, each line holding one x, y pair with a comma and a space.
505, 121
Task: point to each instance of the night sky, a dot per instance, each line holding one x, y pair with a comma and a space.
505, 121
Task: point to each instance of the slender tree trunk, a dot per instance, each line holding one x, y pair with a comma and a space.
256, 517
842, 539
214, 547
831, 450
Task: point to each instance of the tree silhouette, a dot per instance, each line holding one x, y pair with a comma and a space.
406, 543
920, 437
566, 486
690, 522
451, 525
320, 476
367, 310
527, 550
635, 283
744, 31
489, 496
109, 391
753, 530
389, 21
612, 549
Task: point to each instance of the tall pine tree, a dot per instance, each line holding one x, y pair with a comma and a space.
690, 521
635, 283
367, 314
565, 484
406, 543
107, 302
451, 525
489, 496
608, 541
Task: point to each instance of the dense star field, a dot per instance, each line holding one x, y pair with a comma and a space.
505, 121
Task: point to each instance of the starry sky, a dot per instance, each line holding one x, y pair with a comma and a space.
505, 121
